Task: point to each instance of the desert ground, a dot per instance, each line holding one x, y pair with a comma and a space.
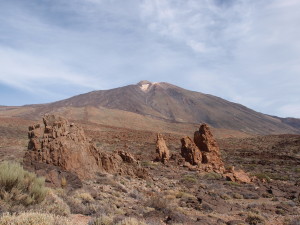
168, 193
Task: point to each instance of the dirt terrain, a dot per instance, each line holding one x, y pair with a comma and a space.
176, 194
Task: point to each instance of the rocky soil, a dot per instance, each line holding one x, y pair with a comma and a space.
169, 191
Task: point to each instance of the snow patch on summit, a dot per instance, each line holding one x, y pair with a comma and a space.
144, 87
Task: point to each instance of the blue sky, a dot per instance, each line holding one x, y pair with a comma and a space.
246, 51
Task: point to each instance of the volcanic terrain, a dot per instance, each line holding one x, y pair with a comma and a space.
105, 163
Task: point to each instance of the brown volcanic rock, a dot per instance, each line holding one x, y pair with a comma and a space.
127, 157
163, 153
190, 151
61, 144
209, 148
237, 176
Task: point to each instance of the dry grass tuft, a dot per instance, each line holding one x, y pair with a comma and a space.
255, 219
30, 218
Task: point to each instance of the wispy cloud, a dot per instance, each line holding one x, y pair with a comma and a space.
244, 51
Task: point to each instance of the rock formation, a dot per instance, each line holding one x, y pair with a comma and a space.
127, 157
61, 147
190, 152
162, 151
62, 144
237, 176
209, 148
205, 153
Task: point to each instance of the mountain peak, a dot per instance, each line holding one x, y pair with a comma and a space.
146, 85
142, 82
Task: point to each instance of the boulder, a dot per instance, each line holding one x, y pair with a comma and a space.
127, 157
190, 152
162, 151
237, 176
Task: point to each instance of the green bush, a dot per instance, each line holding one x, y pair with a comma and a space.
20, 187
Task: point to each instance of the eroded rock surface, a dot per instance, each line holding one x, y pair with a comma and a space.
190, 152
204, 152
162, 151
63, 144
60, 147
209, 148
237, 176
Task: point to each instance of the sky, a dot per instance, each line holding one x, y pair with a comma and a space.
245, 51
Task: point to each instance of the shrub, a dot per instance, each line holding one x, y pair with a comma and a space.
20, 187
31, 218
232, 183
255, 219
130, 221
213, 176
189, 179
85, 197
108, 220
263, 176
102, 220
237, 196
181, 194
158, 202
55, 205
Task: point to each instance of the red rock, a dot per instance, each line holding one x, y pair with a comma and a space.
190, 152
61, 144
162, 151
64, 147
237, 176
209, 148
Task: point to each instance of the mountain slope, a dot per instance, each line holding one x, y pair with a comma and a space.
173, 104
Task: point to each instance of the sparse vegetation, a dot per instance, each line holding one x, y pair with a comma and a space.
158, 202
54, 205
189, 179
130, 221
102, 220
63, 182
263, 177
212, 176
20, 187
31, 218
255, 219
237, 196
232, 183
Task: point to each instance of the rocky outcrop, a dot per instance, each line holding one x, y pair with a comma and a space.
162, 151
209, 148
62, 147
190, 152
62, 144
204, 152
127, 157
237, 176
